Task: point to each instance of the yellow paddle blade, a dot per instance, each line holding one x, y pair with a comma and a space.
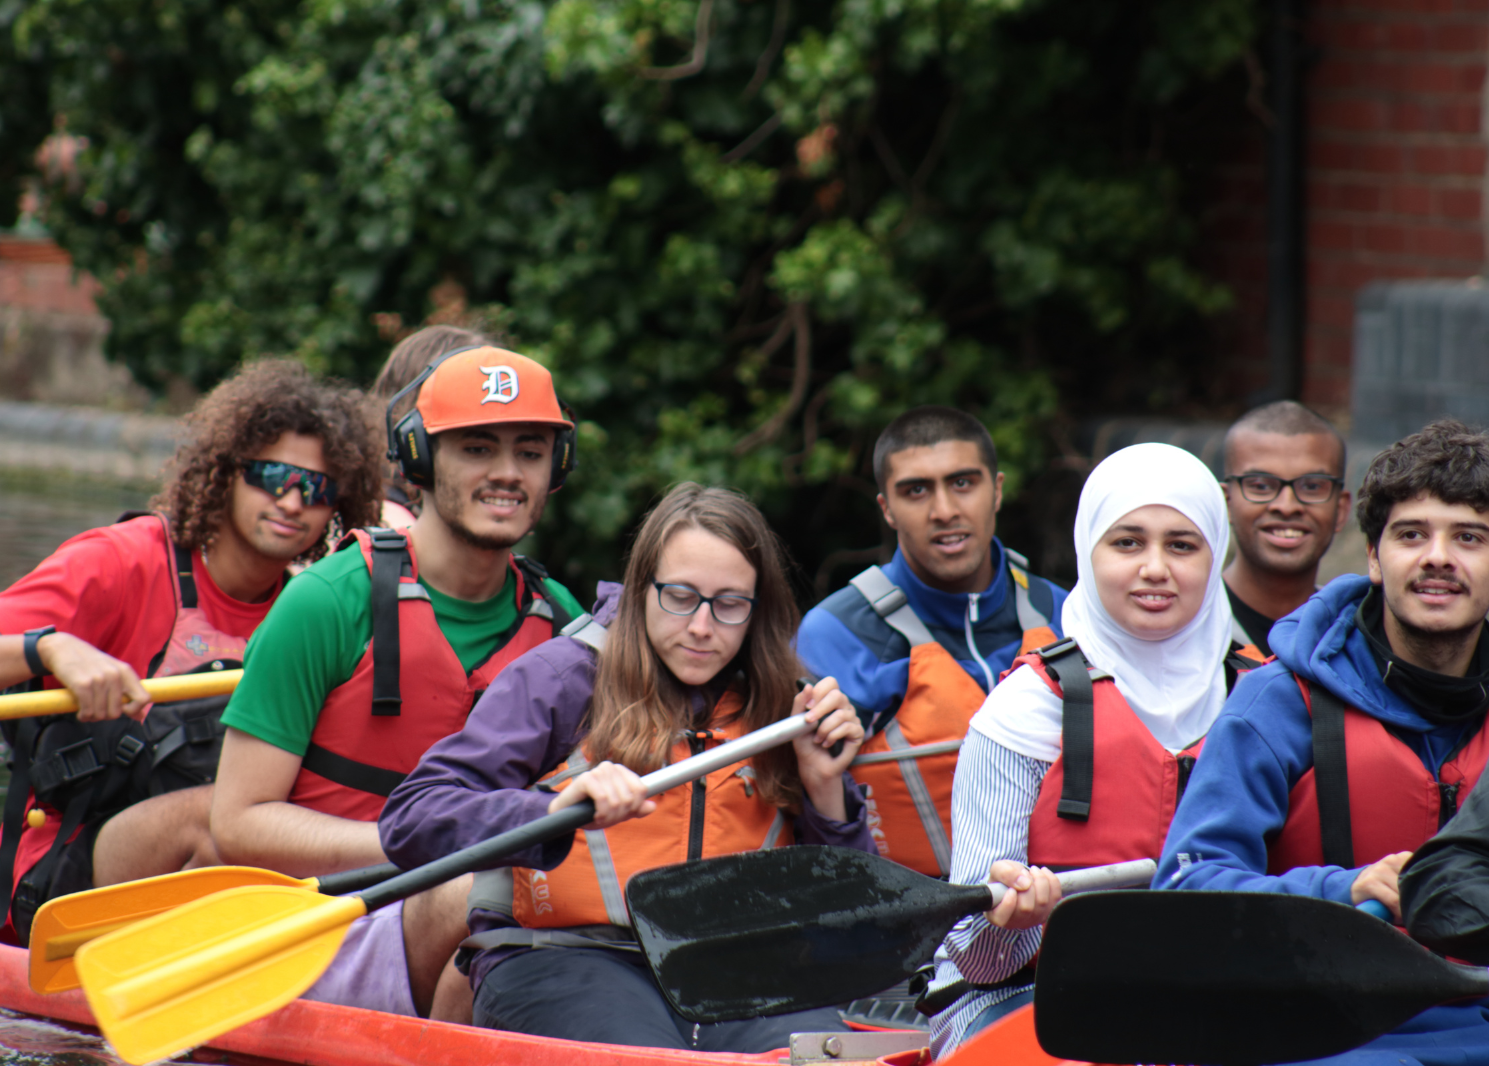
161, 690
68, 922
178, 979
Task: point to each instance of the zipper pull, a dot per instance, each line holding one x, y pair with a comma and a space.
972, 606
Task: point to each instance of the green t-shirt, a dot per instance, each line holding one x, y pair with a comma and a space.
318, 630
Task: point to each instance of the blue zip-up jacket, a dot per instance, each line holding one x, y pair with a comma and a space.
842, 637
1237, 798
1262, 743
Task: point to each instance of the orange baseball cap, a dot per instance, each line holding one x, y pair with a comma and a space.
486, 385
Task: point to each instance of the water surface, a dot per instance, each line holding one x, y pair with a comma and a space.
40, 511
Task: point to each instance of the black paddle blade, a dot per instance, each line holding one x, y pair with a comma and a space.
1228, 979
769, 932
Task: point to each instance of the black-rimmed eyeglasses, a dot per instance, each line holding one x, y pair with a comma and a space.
729, 609
1264, 488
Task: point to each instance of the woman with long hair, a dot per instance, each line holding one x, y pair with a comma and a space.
1079, 756
696, 650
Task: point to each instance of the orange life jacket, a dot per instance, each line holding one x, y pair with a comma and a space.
906, 769
1085, 818
1367, 795
372, 730
718, 815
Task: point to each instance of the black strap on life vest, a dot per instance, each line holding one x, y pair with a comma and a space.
349, 773
22, 740
1077, 728
389, 558
1331, 778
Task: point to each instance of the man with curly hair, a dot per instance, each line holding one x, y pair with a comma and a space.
1328, 768
373, 655
272, 458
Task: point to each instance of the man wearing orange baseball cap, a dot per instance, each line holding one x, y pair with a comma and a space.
373, 654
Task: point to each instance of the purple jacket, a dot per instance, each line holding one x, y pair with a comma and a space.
474, 784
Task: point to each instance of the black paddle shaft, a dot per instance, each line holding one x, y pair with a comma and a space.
355, 880
1229, 979
790, 929
479, 856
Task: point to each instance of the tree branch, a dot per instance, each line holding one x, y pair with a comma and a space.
773, 49
753, 141
796, 321
887, 157
700, 50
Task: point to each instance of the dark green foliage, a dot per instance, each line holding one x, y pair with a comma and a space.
963, 201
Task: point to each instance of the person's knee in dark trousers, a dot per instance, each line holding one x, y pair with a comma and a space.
609, 997
577, 994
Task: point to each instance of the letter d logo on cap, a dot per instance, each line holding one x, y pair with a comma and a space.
500, 384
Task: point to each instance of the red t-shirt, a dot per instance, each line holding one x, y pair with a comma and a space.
112, 587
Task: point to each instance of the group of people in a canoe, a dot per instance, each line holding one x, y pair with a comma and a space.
424, 688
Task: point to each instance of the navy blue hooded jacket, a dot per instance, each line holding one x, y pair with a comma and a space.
1262, 743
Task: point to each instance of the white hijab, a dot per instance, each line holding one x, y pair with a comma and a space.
1175, 685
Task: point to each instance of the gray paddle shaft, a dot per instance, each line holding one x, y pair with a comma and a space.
738, 750
1135, 874
568, 819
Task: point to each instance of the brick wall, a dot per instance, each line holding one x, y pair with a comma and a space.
1395, 179
37, 275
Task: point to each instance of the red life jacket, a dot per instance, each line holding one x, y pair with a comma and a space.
1367, 795
1085, 818
588, 887
372, 731
906, 769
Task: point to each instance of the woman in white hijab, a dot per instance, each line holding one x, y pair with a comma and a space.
1150, 620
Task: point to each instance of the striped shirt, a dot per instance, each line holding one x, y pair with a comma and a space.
992, 801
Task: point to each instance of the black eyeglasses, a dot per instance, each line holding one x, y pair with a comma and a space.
729, 609
1310, 488
279, 478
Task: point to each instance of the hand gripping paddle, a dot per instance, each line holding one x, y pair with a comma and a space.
769, 932
1229, 978
66, 923
160, 689
180, 978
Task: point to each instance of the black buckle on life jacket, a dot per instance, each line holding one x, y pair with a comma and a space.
28, 896
66, 766
202, 730
128, 749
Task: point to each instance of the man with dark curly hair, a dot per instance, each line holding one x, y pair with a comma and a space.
1330, 766
271, 459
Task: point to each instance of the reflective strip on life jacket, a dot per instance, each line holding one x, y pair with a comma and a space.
906, 768
1393, 802
1033, 621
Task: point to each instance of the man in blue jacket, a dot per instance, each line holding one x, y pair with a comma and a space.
1330, 766
918, 644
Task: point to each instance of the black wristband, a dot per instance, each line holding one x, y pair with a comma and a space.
33, 659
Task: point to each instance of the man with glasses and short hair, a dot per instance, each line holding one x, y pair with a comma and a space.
1284, 487
380, 650
109, 794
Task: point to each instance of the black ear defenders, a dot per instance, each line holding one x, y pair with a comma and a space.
409, 444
